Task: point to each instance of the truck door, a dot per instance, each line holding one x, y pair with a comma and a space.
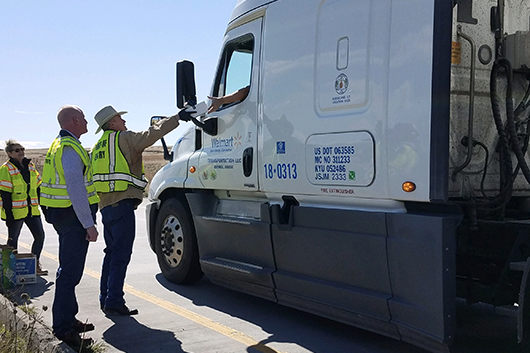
233, 235
228, 159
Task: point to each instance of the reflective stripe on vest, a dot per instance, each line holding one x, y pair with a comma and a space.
53, 187
12, 181
111, 170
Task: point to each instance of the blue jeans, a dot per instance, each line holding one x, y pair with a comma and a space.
119, 231
73, 248
34, 224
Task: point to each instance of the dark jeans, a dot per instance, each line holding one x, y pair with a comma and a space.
119, 230
35, 226
73, 248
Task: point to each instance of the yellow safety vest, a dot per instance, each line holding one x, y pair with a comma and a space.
111, 170
12, 181
53, 189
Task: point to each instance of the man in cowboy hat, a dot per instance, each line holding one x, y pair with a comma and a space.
120, 182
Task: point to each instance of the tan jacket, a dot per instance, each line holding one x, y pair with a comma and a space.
132, 144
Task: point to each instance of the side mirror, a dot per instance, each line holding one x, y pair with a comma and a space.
156, 119
186, 95
186, 84
167, 155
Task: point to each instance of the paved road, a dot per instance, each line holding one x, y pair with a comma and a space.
206, 318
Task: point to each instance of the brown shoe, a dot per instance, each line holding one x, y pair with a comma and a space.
75, 341
40, 270
80, 326
121, 310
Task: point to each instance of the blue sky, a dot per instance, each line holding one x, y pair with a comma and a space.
95, 53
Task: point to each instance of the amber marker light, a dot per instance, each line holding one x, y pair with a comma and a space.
408, 186
192, 169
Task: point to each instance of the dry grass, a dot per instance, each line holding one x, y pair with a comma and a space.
153, 160
22, 328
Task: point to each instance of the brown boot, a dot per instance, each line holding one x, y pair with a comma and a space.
40, 270
78, 343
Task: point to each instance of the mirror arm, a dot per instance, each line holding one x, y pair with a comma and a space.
168, 156
209, 125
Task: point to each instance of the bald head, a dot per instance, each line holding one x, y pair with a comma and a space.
67, 113
72, 118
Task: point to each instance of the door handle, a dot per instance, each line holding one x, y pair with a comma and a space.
248, 155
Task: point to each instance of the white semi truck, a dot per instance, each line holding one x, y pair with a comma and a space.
375, 172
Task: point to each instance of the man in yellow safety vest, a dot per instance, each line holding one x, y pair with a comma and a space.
69, 200
120, 182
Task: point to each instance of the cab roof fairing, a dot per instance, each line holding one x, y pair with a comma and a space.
245, 6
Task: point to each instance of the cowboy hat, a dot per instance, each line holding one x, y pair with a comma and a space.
105, 114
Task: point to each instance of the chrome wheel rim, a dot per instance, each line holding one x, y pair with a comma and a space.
172, 241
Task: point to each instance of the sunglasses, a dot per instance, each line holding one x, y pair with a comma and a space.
16, 150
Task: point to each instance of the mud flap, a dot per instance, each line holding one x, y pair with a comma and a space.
523, 312
421, 260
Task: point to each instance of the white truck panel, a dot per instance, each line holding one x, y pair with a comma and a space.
361, 106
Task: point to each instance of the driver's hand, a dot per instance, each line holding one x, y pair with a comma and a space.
216, 104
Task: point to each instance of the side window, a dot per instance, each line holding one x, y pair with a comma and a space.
235, 69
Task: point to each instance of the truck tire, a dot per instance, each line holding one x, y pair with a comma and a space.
176, 244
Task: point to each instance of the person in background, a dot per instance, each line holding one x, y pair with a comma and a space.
70, 202
120, 182
19, 194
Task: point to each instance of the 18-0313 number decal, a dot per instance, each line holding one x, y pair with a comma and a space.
281, 171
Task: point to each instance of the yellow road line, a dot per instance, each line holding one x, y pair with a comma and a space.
185, 313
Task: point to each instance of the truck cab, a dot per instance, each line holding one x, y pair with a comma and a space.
373, 173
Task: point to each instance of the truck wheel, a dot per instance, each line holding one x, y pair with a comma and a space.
176, 244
